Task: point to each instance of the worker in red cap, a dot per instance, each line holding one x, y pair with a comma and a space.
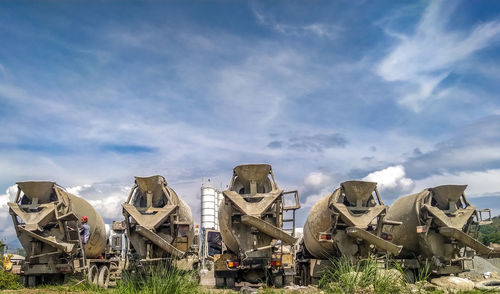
84, 230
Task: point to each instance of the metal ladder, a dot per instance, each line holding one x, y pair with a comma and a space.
291, 208
78, 241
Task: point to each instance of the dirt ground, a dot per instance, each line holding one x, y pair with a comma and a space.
476, 273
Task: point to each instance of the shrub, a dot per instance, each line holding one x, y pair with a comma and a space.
9, 280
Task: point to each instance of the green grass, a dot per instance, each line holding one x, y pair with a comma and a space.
158, 279
269, 290
366, 276
155, 278
9, 281
346, 276
73, 285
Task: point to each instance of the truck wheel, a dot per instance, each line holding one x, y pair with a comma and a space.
32, 281
288, 279
103, 278
278, 281
304, 276
93, 273
410, 276
230, 283
219, 283
23, 280
53, 279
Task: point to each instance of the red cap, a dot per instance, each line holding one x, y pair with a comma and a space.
85, 218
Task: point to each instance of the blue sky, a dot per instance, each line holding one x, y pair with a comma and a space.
403, 93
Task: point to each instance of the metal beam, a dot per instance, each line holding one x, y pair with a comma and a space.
159, 241
375, 240
268, 229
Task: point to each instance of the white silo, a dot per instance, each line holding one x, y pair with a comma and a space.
208, 207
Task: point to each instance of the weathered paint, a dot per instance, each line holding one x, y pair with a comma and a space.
430, 220
47, 203
159, 223
351, 206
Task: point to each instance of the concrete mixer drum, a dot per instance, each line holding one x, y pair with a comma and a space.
46, 220
254, 229
346, 223
159, 223
436, 228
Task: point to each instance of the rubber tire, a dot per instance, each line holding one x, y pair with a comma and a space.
219, 283
93, 274
278, 281
288, 280
103, 278
304, 275
492, 285
23, 280
410, 276
32, 281
230, 283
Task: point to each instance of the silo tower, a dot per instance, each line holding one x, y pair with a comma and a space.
210, 201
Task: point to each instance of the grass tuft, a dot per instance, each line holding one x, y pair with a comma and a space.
347, 276
158, 278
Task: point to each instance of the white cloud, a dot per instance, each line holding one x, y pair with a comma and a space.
106, 198
316, 29
428, 56
317, 180
7, 231
480, 183
9, 196
262, 82
391, 178
313, 198
316, 186
475, 147
76, 190
205, 95
110, 207
2, 69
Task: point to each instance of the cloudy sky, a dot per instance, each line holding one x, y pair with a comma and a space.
403, 93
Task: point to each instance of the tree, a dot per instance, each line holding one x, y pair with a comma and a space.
490, 233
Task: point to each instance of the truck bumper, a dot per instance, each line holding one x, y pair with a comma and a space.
226, 274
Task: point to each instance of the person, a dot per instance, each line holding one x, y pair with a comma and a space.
84, 230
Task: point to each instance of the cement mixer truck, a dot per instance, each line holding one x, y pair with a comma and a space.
46, 219
435, 229
348, 223
254, 229
159, 224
